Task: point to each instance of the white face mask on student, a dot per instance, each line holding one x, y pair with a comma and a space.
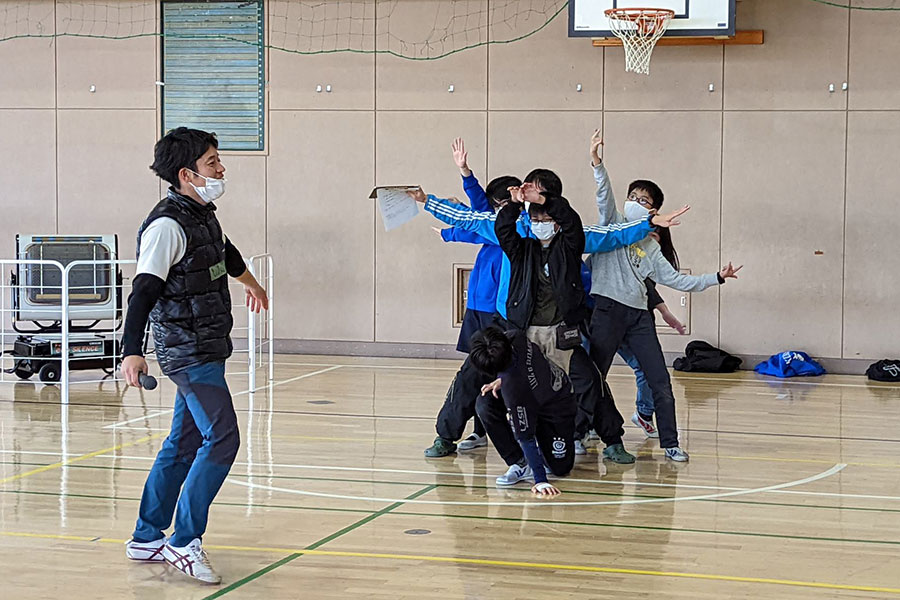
212, 191
634, 211
543, 230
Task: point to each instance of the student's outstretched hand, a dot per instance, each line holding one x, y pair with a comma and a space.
418, 195
531, 194
545, 489
515, 194
730, 271
671, 219
491, 388
461, 157
672, 321
437, 231
596, 144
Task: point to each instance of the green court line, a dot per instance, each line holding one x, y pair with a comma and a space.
482, 487
317, 544
373, 514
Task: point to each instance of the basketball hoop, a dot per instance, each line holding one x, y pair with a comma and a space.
639, 29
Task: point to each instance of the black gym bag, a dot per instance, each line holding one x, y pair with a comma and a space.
701, 357
885, 370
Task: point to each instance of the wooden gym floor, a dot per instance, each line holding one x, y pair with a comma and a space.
792, 492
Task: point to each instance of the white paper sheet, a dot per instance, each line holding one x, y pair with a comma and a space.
396, 207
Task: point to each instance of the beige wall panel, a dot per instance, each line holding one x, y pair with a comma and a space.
783, 191
522, 141
293, 77
871, 285
242, 211
403, 84
414, 268
27, 175
805, 50
559, 63
105, 185
639, 146
874, 47
679, 80
320, 223
124, 71
27, 76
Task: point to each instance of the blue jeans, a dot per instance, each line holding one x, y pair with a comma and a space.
197, 456
644, 400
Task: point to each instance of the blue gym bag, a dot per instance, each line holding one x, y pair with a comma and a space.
790, 364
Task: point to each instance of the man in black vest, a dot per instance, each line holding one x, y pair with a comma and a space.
181, 285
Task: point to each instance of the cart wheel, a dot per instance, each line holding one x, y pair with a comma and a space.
49, 373
23, 373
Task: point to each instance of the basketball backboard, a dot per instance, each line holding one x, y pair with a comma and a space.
692, 17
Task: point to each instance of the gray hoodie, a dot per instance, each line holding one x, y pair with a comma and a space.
620, 274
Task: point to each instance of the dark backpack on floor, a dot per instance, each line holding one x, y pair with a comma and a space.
701, 357
885, 370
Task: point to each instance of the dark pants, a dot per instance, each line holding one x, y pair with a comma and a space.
459, 405
596, 406
614, 324
555, 433
195, 458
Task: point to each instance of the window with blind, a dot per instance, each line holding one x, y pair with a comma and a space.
213, 70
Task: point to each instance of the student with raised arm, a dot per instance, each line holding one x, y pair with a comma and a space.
484, 281
620, 296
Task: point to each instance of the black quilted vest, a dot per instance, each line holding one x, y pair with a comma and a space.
192, 320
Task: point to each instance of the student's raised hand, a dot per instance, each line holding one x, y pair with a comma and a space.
729, 271
461, 157
671, 219
491, 388
437, 231
418, 195
596, 143
515, 194
531, 194
545, 489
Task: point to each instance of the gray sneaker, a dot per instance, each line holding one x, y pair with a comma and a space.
677, 454
514, 475
473, 441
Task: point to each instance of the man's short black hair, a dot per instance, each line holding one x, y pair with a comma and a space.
490, 350
497, 190
180, 149
546, 179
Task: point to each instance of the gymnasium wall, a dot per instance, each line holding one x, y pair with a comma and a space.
797, 183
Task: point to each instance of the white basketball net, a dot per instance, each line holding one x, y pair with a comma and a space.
639, 29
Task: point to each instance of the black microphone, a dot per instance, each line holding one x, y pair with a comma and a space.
148, 382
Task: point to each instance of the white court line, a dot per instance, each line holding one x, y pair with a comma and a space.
171, 410
835, 469
291, 380
129, 421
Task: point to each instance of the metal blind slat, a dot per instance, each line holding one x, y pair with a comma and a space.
213, 70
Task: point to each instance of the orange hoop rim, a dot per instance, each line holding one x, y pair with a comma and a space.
632, 14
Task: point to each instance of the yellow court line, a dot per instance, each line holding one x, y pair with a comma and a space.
80, 458
502, 563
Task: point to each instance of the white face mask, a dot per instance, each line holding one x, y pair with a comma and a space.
212, 191
543, 231
635, 211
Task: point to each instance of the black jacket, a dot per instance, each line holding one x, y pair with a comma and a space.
191, 321
564, 261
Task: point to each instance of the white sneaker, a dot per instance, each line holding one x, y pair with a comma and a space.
145, 551
580, 450
473, 441
514, 475
677, 454
191, 560
647, 426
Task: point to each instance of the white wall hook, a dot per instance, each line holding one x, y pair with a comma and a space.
451, 88
319, 89
578, 88
328, 88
